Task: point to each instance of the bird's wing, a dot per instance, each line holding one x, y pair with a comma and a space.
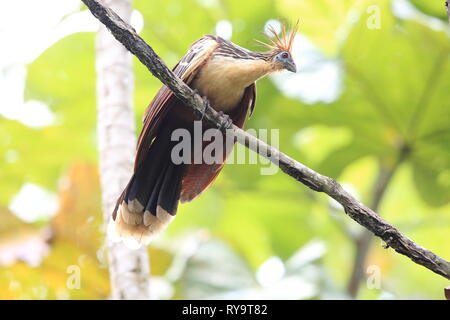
186, 69
198, 177
246, 106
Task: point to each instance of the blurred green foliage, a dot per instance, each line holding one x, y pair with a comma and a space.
395, 97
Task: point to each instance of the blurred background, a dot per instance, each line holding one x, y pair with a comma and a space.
370, 107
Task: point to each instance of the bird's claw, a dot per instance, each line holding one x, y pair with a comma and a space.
205, 106
225, 121
205, 103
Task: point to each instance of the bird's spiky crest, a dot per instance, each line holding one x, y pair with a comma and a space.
282, 41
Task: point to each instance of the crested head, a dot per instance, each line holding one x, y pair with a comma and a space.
280, 45
259, 63
280, 41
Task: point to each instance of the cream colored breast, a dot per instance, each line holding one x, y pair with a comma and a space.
223, 80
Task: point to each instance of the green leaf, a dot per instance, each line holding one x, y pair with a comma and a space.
433, 185
433, 8
325, 22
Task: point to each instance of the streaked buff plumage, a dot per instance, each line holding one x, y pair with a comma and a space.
224, 79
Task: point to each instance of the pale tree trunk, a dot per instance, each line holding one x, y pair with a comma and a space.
129, 269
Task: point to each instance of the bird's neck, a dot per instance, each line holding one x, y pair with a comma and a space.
223, 79
242, 72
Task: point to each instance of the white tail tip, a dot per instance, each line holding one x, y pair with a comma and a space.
136, 229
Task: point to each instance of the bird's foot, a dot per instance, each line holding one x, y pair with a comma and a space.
205, 106
225, 121
205, 103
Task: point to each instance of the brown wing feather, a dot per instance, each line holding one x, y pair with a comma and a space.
198, 177
186, 69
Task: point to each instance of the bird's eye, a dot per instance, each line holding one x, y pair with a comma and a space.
285, 55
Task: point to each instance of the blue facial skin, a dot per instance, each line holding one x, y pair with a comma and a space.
286, 60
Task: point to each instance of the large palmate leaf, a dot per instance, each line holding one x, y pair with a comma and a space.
326, 22
397, 83
215, 271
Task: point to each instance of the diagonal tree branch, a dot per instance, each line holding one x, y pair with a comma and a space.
125, 34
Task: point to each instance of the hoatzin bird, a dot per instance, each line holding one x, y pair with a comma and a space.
225, 74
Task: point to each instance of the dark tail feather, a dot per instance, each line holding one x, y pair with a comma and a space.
150, 200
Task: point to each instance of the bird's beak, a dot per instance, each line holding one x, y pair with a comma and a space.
290, 65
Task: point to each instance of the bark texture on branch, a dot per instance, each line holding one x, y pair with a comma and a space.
129, 269
317, 182
447, 6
